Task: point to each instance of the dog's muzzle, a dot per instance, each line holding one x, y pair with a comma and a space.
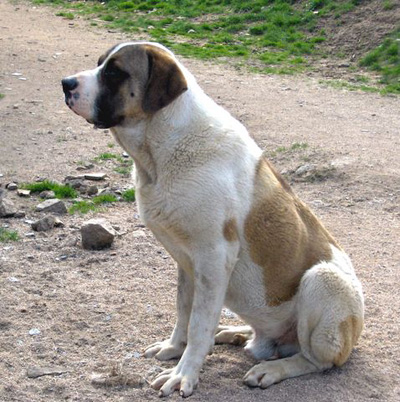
69, 84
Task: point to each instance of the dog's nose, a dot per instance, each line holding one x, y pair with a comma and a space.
69, 84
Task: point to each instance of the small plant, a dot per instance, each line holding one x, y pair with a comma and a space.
68, 16
83, 207
7, 235
129, 195
60, 191
92, 206
2, 96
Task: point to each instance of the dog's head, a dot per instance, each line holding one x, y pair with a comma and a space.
132, 81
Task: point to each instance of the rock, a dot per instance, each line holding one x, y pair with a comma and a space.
7, 208
23, 193
20, 214
97, 234
11, 186
47, 195
34, 331
304, 169
95, 176
35, 372
92, 190
54, 205
44, 224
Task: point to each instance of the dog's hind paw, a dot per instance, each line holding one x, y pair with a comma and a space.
233, 335
165, 350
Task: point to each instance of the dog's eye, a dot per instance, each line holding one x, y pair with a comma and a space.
114, 73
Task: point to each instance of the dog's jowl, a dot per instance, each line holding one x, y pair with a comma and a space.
239, 234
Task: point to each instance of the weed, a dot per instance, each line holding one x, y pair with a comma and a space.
129, 195
386, 60
93, 205
60, 191
83, 207
68, 16
7, 235
2, 96
111, 145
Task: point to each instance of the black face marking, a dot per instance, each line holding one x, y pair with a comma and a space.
109, 101
76, 95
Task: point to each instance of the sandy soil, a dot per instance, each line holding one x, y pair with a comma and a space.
97, 310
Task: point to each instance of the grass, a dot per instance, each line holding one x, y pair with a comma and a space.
2, 96
275, 35
385, 59
123, 166
268, 36
7, 235
93, 205
129, 195
60, 191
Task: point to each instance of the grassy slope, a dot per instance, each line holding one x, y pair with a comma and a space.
278, 36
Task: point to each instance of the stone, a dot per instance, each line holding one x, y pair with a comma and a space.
47, 194
7, 208
23, 193
11, 186
35, 372
95, 176
44, 224
54, 205
92, 190
97, 234
304, 169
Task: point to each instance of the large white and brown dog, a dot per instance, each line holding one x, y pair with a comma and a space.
238, 233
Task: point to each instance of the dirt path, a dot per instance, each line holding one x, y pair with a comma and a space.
102, 308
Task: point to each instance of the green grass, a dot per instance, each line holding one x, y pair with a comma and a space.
123, 166
385, 59
268, 36
68, 16
2, 96
7, 235
129, 195
60, 191
93, 205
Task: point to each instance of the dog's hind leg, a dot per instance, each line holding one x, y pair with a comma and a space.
330, 319
233, 335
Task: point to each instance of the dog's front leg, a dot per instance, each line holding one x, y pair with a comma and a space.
174, 347
211, 276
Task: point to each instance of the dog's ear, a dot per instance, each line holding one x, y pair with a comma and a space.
165, 80
103, 57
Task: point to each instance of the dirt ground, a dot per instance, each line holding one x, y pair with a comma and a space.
97, 310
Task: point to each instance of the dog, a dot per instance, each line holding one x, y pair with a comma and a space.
239, 234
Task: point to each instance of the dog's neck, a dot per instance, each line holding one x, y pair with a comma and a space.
153, 138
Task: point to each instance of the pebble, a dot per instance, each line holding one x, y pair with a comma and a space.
44, 224
11, 186
7, 208
54, 205
23, 193
34, 331
97, 234
47, 194
35, 372
304, 169
95, 176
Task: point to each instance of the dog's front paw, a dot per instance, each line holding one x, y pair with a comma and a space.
165, 350
174, 380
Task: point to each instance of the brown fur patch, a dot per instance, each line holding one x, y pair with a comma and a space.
284, 236
350, 330
231, 230
166, 80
